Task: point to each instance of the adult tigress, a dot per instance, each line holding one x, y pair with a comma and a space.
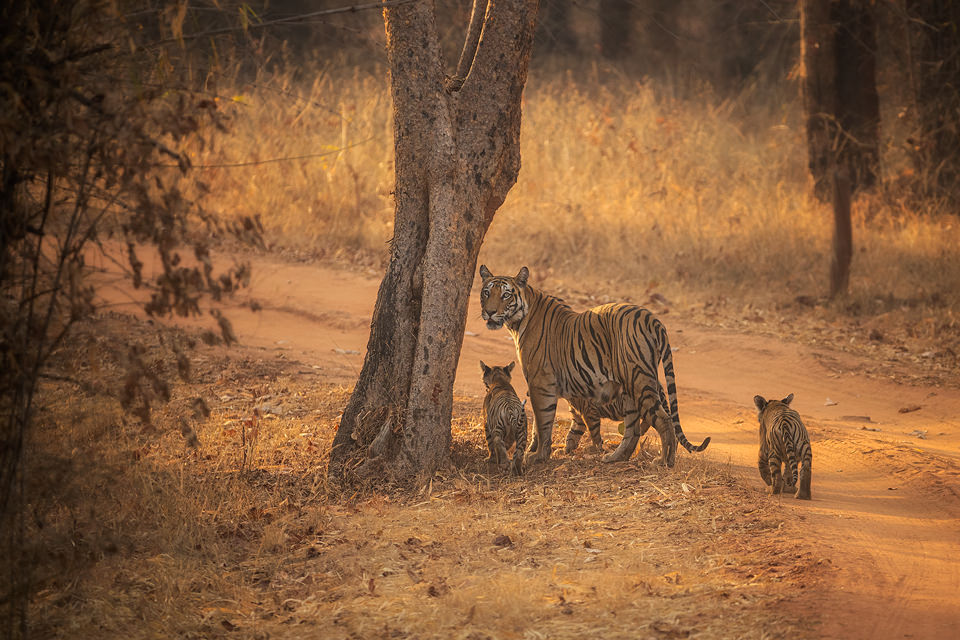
608, 354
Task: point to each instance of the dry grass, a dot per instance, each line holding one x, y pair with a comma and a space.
134, 534
625, 190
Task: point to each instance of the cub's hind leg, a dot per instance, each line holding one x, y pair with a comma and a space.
633, 426
776, 479
585, 415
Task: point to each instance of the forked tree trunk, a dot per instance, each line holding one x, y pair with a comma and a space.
457, 155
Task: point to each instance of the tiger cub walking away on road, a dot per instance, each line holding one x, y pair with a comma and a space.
783, 440
506, 419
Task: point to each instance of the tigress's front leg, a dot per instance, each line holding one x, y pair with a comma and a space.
544, 401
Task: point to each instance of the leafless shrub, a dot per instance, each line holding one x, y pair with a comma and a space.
91, 160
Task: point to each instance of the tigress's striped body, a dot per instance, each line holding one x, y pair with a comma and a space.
505, 418
608, 355
784, 441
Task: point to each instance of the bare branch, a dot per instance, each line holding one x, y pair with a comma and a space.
469, 45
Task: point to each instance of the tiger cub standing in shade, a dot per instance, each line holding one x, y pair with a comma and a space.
505, 416
783, 440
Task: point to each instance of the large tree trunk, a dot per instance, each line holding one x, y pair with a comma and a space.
838, 41
457, 155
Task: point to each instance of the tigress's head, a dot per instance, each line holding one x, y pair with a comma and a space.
501, 298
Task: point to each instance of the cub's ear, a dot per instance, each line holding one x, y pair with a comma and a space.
484, 368
760, 402
509, 367
788, 399
485, 273
521, 278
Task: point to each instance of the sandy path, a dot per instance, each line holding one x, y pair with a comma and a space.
886, 508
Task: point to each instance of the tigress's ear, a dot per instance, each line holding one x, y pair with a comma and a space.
485, 273
509, 367
484, 368
788, 399
521, 278
760, 402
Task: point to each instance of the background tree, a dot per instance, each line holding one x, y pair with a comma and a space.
935, 47
840, 92
842, 112
457, 152
554, 28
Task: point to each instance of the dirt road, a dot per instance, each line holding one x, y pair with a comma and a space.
886, 507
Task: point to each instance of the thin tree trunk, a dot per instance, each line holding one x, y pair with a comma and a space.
615, 28
838, 48
457, 155
554, 31
842, 234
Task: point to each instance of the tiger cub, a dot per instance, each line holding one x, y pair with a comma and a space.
783, 440
588, 413
505, 416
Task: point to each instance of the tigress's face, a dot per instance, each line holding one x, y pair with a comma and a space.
501, 298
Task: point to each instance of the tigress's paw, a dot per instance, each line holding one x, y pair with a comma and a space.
802, 495
570, 448
613, 457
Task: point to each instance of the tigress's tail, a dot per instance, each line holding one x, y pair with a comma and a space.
666, 357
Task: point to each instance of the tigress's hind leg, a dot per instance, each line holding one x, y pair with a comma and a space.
632, 428
654, 413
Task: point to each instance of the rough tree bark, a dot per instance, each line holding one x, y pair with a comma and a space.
456, 143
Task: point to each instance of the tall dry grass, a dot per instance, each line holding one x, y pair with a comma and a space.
627, 189
624, 183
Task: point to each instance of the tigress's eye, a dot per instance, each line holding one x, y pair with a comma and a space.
505, 295
484, 294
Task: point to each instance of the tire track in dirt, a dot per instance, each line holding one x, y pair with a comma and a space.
885, 511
